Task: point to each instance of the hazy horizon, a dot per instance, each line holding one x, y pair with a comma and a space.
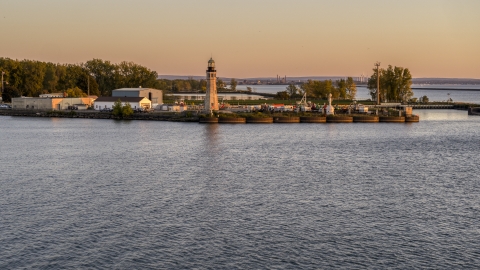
434, 39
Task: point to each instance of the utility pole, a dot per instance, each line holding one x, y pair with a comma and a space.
88, 85
377, 64
3, 72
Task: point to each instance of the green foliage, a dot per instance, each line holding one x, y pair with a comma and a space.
75, 92
395, 84
341, 89
220, 84
351, 88
292, 90
233, 84
424, 99
117, 108
182, 85
282, 95
32, 78
127, 110
318, 89
120, 110
10, 92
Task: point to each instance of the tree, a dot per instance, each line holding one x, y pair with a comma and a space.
10, 92
75, 92
33, 73
50, 79
395, 84
320, 89
203, 85
233, 84
341, 89
105, 74
282, 95
122, 110
249, 89
292, 90
13, 72
220, 84
424, 99
351, 88
127, 109
117, 108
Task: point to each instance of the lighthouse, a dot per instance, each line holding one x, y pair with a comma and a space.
211, 97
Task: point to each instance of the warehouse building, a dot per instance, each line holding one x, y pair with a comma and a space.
154, 95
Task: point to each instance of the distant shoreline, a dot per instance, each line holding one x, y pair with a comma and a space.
432, 88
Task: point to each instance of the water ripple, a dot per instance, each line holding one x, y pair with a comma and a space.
94, 194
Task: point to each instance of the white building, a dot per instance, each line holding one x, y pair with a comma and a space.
135, 102
221, 96
154, 95
53, 95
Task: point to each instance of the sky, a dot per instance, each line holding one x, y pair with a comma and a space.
250, 38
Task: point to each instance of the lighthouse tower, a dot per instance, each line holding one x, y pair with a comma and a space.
211, 98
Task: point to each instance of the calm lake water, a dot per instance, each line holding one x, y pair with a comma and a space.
439, 93
104, 194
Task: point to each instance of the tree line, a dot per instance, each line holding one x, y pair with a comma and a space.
32, 78
340, 89
192, 85
97, 77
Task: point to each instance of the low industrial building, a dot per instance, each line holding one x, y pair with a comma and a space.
51, 103
49, 95
102, 103
154, 95
221, 96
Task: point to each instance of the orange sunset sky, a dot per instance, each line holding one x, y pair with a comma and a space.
261, 38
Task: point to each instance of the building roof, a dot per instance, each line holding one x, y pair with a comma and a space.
122, 99
135, 89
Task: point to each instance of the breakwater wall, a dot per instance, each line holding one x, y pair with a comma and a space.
178, 117
474, 111
191, 117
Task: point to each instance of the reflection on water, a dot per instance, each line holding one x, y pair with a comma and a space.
211, 135
442, 115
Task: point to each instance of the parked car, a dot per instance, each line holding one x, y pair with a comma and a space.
106, 110
5, 107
